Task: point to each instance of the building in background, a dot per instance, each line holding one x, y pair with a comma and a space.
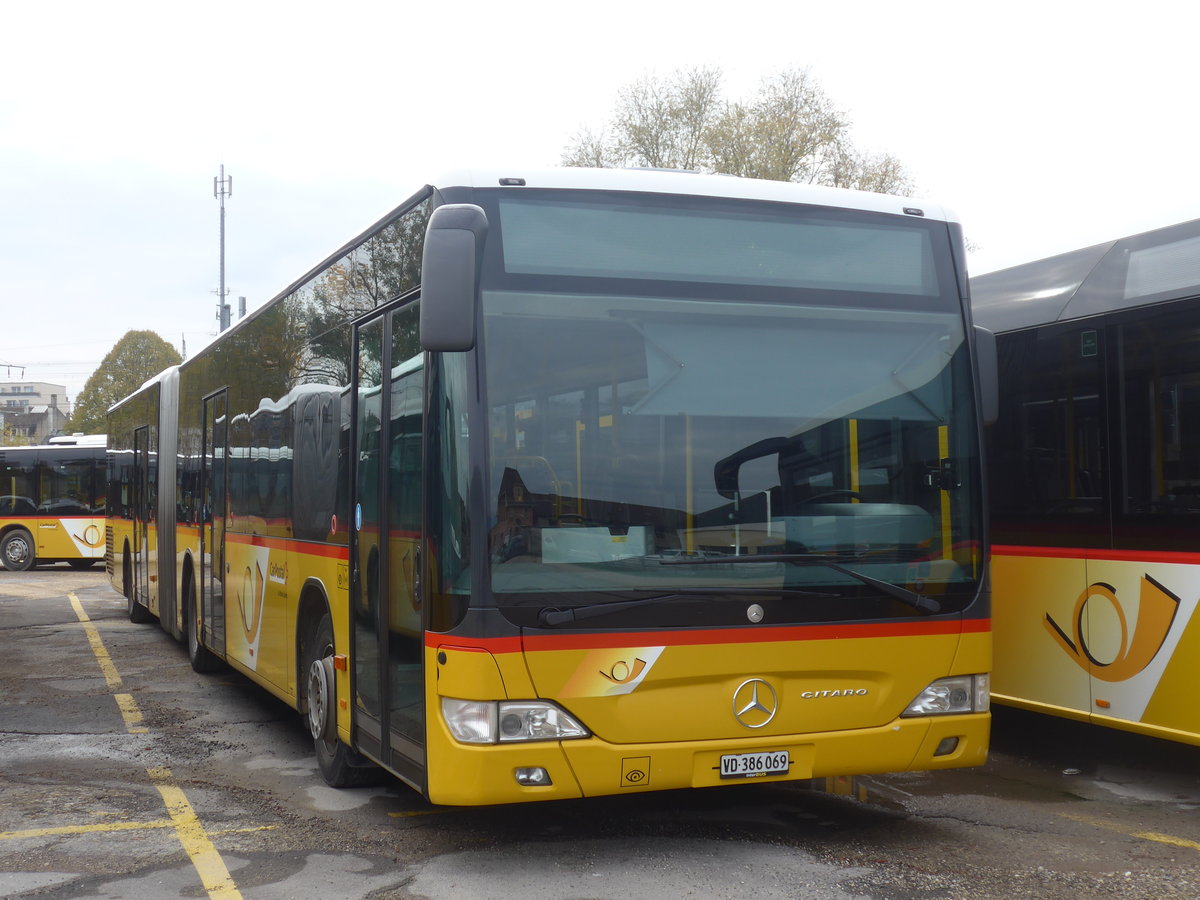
32, 411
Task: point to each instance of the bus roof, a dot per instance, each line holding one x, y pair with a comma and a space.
672, 181
1152, 267
653, 181
79, 440
57, 451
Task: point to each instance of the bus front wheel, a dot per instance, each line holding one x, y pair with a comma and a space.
16, 550
340, 766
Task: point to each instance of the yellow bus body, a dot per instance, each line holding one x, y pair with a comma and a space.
1104, 636
74, 537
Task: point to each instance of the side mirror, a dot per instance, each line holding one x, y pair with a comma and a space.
450, 266
725, 472
989, 375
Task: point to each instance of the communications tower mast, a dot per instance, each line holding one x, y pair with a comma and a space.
222, 188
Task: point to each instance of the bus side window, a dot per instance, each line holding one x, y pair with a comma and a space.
1160, 440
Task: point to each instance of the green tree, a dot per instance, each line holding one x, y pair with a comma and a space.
788, 131
130, 363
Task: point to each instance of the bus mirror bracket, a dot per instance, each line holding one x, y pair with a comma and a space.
450, 265
989, 375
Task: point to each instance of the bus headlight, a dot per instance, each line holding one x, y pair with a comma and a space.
487, 722
946, 696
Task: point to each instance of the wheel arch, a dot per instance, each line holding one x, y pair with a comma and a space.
12, 526
313, 605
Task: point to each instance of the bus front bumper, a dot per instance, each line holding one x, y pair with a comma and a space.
465, 775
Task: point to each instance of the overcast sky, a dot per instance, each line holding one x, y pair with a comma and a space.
1046, 125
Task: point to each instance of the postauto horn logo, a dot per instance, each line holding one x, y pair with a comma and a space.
1156, 612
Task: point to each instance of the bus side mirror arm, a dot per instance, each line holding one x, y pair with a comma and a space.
450, 265
989, 375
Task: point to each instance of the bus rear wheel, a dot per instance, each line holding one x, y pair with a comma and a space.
340, 766
16, 550
202, 659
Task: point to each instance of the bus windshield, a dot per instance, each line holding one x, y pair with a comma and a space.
771, 391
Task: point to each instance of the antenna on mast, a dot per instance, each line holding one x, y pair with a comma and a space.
222, 188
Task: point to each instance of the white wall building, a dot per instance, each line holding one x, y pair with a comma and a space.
33, 410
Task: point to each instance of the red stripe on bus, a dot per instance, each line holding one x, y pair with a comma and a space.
708, 636
31, 516
1150, 556
332, 551
475, 645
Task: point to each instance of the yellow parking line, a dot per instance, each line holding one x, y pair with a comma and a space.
1140, 835
204, 856
98, 649
209, 865
125, 702
1166, 839
131, 713
83, 829
118, 826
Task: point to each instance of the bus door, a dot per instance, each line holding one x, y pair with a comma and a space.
386, 605
143, 506
214, 498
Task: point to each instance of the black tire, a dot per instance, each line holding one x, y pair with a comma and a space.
17, 551
137, 613
81, 564
202, 659
340, 766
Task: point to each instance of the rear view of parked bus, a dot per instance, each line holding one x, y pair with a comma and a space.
1095, 477
573, 483
52, 505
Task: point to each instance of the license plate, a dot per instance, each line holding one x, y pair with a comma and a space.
754, 765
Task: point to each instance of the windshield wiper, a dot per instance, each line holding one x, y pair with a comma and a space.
552, 616
904, 595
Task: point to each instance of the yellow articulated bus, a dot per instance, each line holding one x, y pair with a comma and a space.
567, 483
52, 504
1094, 463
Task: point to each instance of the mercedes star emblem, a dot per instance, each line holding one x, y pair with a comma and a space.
755, 703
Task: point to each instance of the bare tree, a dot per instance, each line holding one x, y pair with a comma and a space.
665, 123
788, 131
659, 123
590, 150
881, 172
